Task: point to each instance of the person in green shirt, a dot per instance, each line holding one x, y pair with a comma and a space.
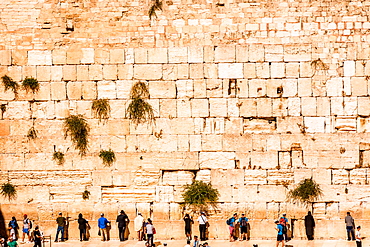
12, 243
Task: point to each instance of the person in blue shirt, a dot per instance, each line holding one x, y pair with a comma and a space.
103, 223
232, 222
243, 222
284, 222
280, 235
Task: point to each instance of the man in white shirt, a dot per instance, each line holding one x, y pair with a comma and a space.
138, 226
358, 237
187, 243
202, 219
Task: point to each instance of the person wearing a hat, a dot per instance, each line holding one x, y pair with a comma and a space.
61, 221
202, 219
122, 220
103, 224
138, 226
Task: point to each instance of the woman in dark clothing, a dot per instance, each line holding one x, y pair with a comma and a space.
82, 225
309, 223
188, 222
37, 237
13, 224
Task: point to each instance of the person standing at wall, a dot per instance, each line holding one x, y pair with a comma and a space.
188, 226
27, 226
14, 224
350, 227
103, 224
203, 222
280, 235
122, 220
150, 231
82, 226
358, 237
284, 222
61, 221
243, 222
231, 223
309, 223
37, 237
139, 226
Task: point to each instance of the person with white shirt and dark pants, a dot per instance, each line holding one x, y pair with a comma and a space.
202, 219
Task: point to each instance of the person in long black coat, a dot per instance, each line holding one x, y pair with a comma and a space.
309, 223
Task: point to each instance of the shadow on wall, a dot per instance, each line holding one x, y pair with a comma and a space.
3, 230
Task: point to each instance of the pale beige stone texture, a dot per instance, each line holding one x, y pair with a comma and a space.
183, 108
74, 90
74, 56
224, 54
314, 124
195, 54
196, 71
208, 53
167, 108
15, 72
101, 56
308, 106
157, 55
56, 73
183, 71
217, 160
214, 87
242, 52
335, 86
358, 176
257, 88
290, 87
177, 177
148, 72
232, 107
110, 72
340, 176
249, 70
106, 90
124, 88
162, 89
230, 70
37, 57
69, 72
323, 106
218, 107
43, 73
359, 86
89, 90
305, 69
199, 108
170, 72
200, 88
82, 72
44, 91
18, 110
297, 52
141, 55
203, 175
178, 55
248, 107
210, 71
349, 68
304, 87
29, 71
264, 107
95, 72
277, 70
264, 160
5, 57
58, 91
363, 106
164, 194
294, 106
117, 56
256, 53
195, 143
211, 143
88, 55
125, 71
19, 57
262, 70
292, 70
129, 56
290, 125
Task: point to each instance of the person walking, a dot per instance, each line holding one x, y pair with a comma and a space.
103, 223
122, 220
350, 227
37, 237
82, 226
358, 237
243, 222
280, 234
202, 219
61, 221
284, 222
188, 225
139, 226
14, 224
231, 223
27, 226
309, 224
150, 231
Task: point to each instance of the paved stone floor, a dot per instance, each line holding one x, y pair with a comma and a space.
212, 243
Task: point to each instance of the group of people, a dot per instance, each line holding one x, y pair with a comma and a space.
238, 228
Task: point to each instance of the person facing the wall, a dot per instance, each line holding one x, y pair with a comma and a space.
61, 222
82, 226
188, 225
203, 222
309, 223
27, 226
37, 237
139, 226
350, 227
122, 220
103, 224
150, 231
280, 234
243, 222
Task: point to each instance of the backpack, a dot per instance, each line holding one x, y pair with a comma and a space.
228, 222
30, 224
243, 222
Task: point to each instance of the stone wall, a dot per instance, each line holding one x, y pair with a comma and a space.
253, 96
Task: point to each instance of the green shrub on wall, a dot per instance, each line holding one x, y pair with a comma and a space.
31, 84
140, 111
101, 109
9, 83
107, 156
77, 128
200, 195
8, 190
58, 157
306, 192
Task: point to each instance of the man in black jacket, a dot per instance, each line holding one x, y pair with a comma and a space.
122, 220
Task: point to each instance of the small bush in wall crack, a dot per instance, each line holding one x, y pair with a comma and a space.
157, 5
8, 190
108, 157
8, 83
101, 109
86, 195
306, 192
199, 195
31, 84
140, 111
76, 127
32, 133
58, 157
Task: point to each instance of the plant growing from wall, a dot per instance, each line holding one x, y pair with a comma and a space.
9, 83
140, 111
32, 133
31, 84
8, 190
78, 129
2, 109
86, 195
318, 65
101, 109
200, 195
306, 192
58, 157
157, 5
107, 156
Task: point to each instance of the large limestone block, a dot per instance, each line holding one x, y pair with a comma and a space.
211, 142
128, 194
340, 176
263, 70
349, 68
125, 71
5, 57
274, 53
157, 55
162, 89
203, 175
258, 125
110, 72
178, 55
121, 178
230, 70
43, 73
43, 110
277, 70
148, 72
359, 86
117, 56
271, 193
280, 177
177, 178
141, 55
74, 90
59, 56
255, 176
95, 72
183, 71
164, 194
264, 107
106, 90
199, 108
314, 124
18, 110
58, 91
290, 125
256, 53
185, 88
236, 143
195, 54
88, 55
345, 124
363, 106
225, 54
218, 107
264, 160
36, 57
217, 160
297, 53
4, 128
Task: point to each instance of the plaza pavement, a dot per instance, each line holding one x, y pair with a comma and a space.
212, 243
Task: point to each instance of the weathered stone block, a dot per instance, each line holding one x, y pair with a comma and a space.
5, 57
314, 124
225, 54
106, 90
88, 55
199, 108
148, 72
117, 56
217, 160
58, 91
157, 55
349, 68
36, 57
195, 54
230, 70
178, 55
110, 72
162, 89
